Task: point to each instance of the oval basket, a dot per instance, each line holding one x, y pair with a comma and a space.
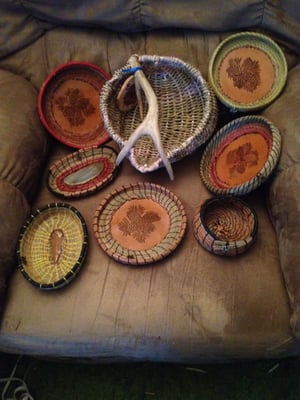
52, 246
187, 111
68, 104
225, 226
247, 71
83, 172
140, 223
240, 156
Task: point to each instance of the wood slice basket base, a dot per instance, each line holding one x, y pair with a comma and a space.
225, 226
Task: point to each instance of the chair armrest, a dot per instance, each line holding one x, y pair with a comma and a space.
284, 190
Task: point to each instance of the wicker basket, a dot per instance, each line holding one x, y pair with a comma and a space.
240, 156
52, 246
187, 110
225, 226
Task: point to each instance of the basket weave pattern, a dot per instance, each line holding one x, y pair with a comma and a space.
187, 111
34, 248
141, 190
225, 226
236, 127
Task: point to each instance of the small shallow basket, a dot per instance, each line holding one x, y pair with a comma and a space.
247, 71
225, 226
52, 246
240, 156
83, 172
68, 104
187, 111
140, 223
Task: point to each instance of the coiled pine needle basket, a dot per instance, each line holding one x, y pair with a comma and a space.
186, 106
225, 226
241, 156
52, 246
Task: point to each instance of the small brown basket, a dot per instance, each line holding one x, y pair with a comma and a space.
187, 110
225, 226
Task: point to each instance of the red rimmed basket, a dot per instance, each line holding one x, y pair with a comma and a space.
225, 226
68, 104
241, 156
83, 172
247, 71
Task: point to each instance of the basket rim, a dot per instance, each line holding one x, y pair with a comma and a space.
280, 78
75, 268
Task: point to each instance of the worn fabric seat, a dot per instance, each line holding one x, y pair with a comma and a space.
192, 306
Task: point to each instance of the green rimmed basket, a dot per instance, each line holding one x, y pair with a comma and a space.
52, 246
83, 172
68, 104
240, 156
140, 223
225, 226
247, 71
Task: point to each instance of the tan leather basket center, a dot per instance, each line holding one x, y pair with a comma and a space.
246, 75
140, 224
75, 106
242, 159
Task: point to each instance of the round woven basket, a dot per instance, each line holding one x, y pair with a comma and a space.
83, 172
68, 104
225, 226
240, 156
140, 223
52, 246
247, 71
187, 110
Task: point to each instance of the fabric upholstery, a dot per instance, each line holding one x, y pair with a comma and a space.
192, 306
284, 192
24, 21
22, 152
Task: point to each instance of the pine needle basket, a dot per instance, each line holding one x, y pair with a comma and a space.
187, 111
140, 223
241, 156
247, 71
225, 226
83, 172
52, 246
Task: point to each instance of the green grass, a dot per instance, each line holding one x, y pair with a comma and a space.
256, 380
